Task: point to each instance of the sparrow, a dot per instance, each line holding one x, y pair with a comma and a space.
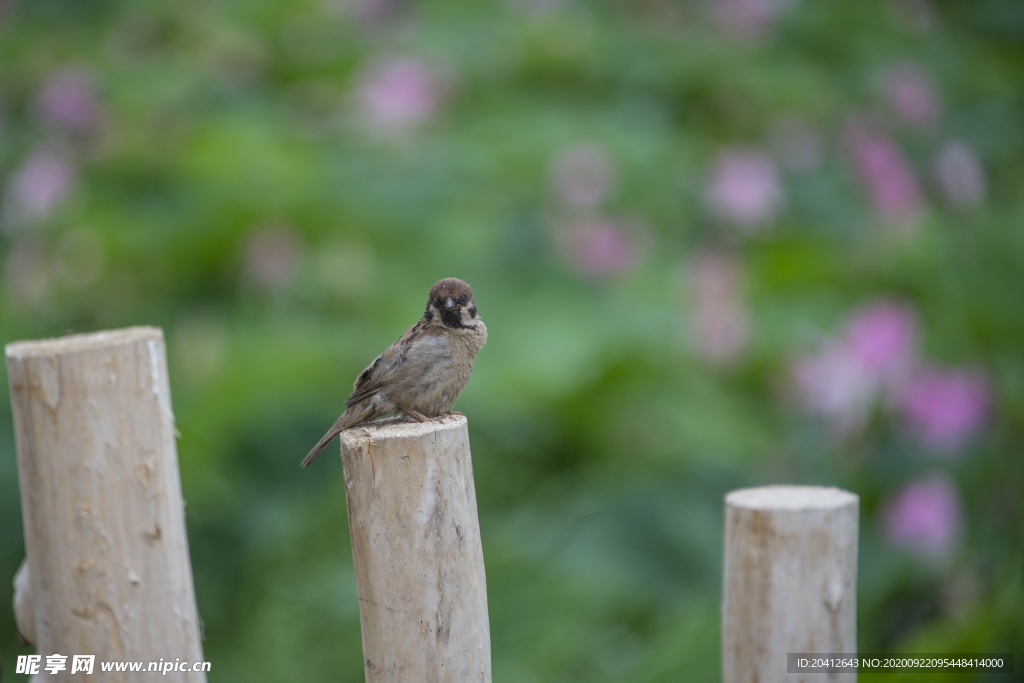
423, 373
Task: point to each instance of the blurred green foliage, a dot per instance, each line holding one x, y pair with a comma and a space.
229, 173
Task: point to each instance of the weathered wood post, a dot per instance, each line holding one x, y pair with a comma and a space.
790, 581
416, 546
107, 571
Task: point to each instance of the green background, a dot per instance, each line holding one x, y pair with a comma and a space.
603, 443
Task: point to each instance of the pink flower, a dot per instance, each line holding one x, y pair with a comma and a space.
883, 170
745, 188
960, 173
834, 384
583, 175
67, 100
745, 18
600, 247
38, 186
912, 96
271, 256
874, 356
945, 408
720, 315
398, 94
925, 517
882, 335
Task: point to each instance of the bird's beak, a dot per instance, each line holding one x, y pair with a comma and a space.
449, 303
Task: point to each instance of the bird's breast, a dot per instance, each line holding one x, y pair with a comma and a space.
437, 370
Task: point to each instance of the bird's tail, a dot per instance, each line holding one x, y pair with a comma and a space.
322, 443
352, 417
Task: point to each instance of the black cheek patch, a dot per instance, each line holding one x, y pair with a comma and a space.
429, 315
472, 311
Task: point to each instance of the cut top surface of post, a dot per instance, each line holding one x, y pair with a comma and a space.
74, 343
401, 428
791, 498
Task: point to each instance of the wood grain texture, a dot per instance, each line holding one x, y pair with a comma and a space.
107, 567
416, 545
790, 581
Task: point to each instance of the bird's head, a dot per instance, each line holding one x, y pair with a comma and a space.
451, 304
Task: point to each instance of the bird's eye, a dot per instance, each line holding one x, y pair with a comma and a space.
463, 300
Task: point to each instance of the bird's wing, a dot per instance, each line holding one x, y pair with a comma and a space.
375, 376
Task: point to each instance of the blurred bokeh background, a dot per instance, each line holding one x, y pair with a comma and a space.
717, 243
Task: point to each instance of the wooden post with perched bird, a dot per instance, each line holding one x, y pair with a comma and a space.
107, 571
412, 503
416, 547
790, 580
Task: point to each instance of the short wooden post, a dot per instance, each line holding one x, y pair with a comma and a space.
790, 581
107, 571
416, 545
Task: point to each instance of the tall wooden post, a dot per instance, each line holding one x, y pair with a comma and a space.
107, 571
790, 581
416, 545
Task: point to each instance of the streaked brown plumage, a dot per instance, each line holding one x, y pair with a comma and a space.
423, 373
